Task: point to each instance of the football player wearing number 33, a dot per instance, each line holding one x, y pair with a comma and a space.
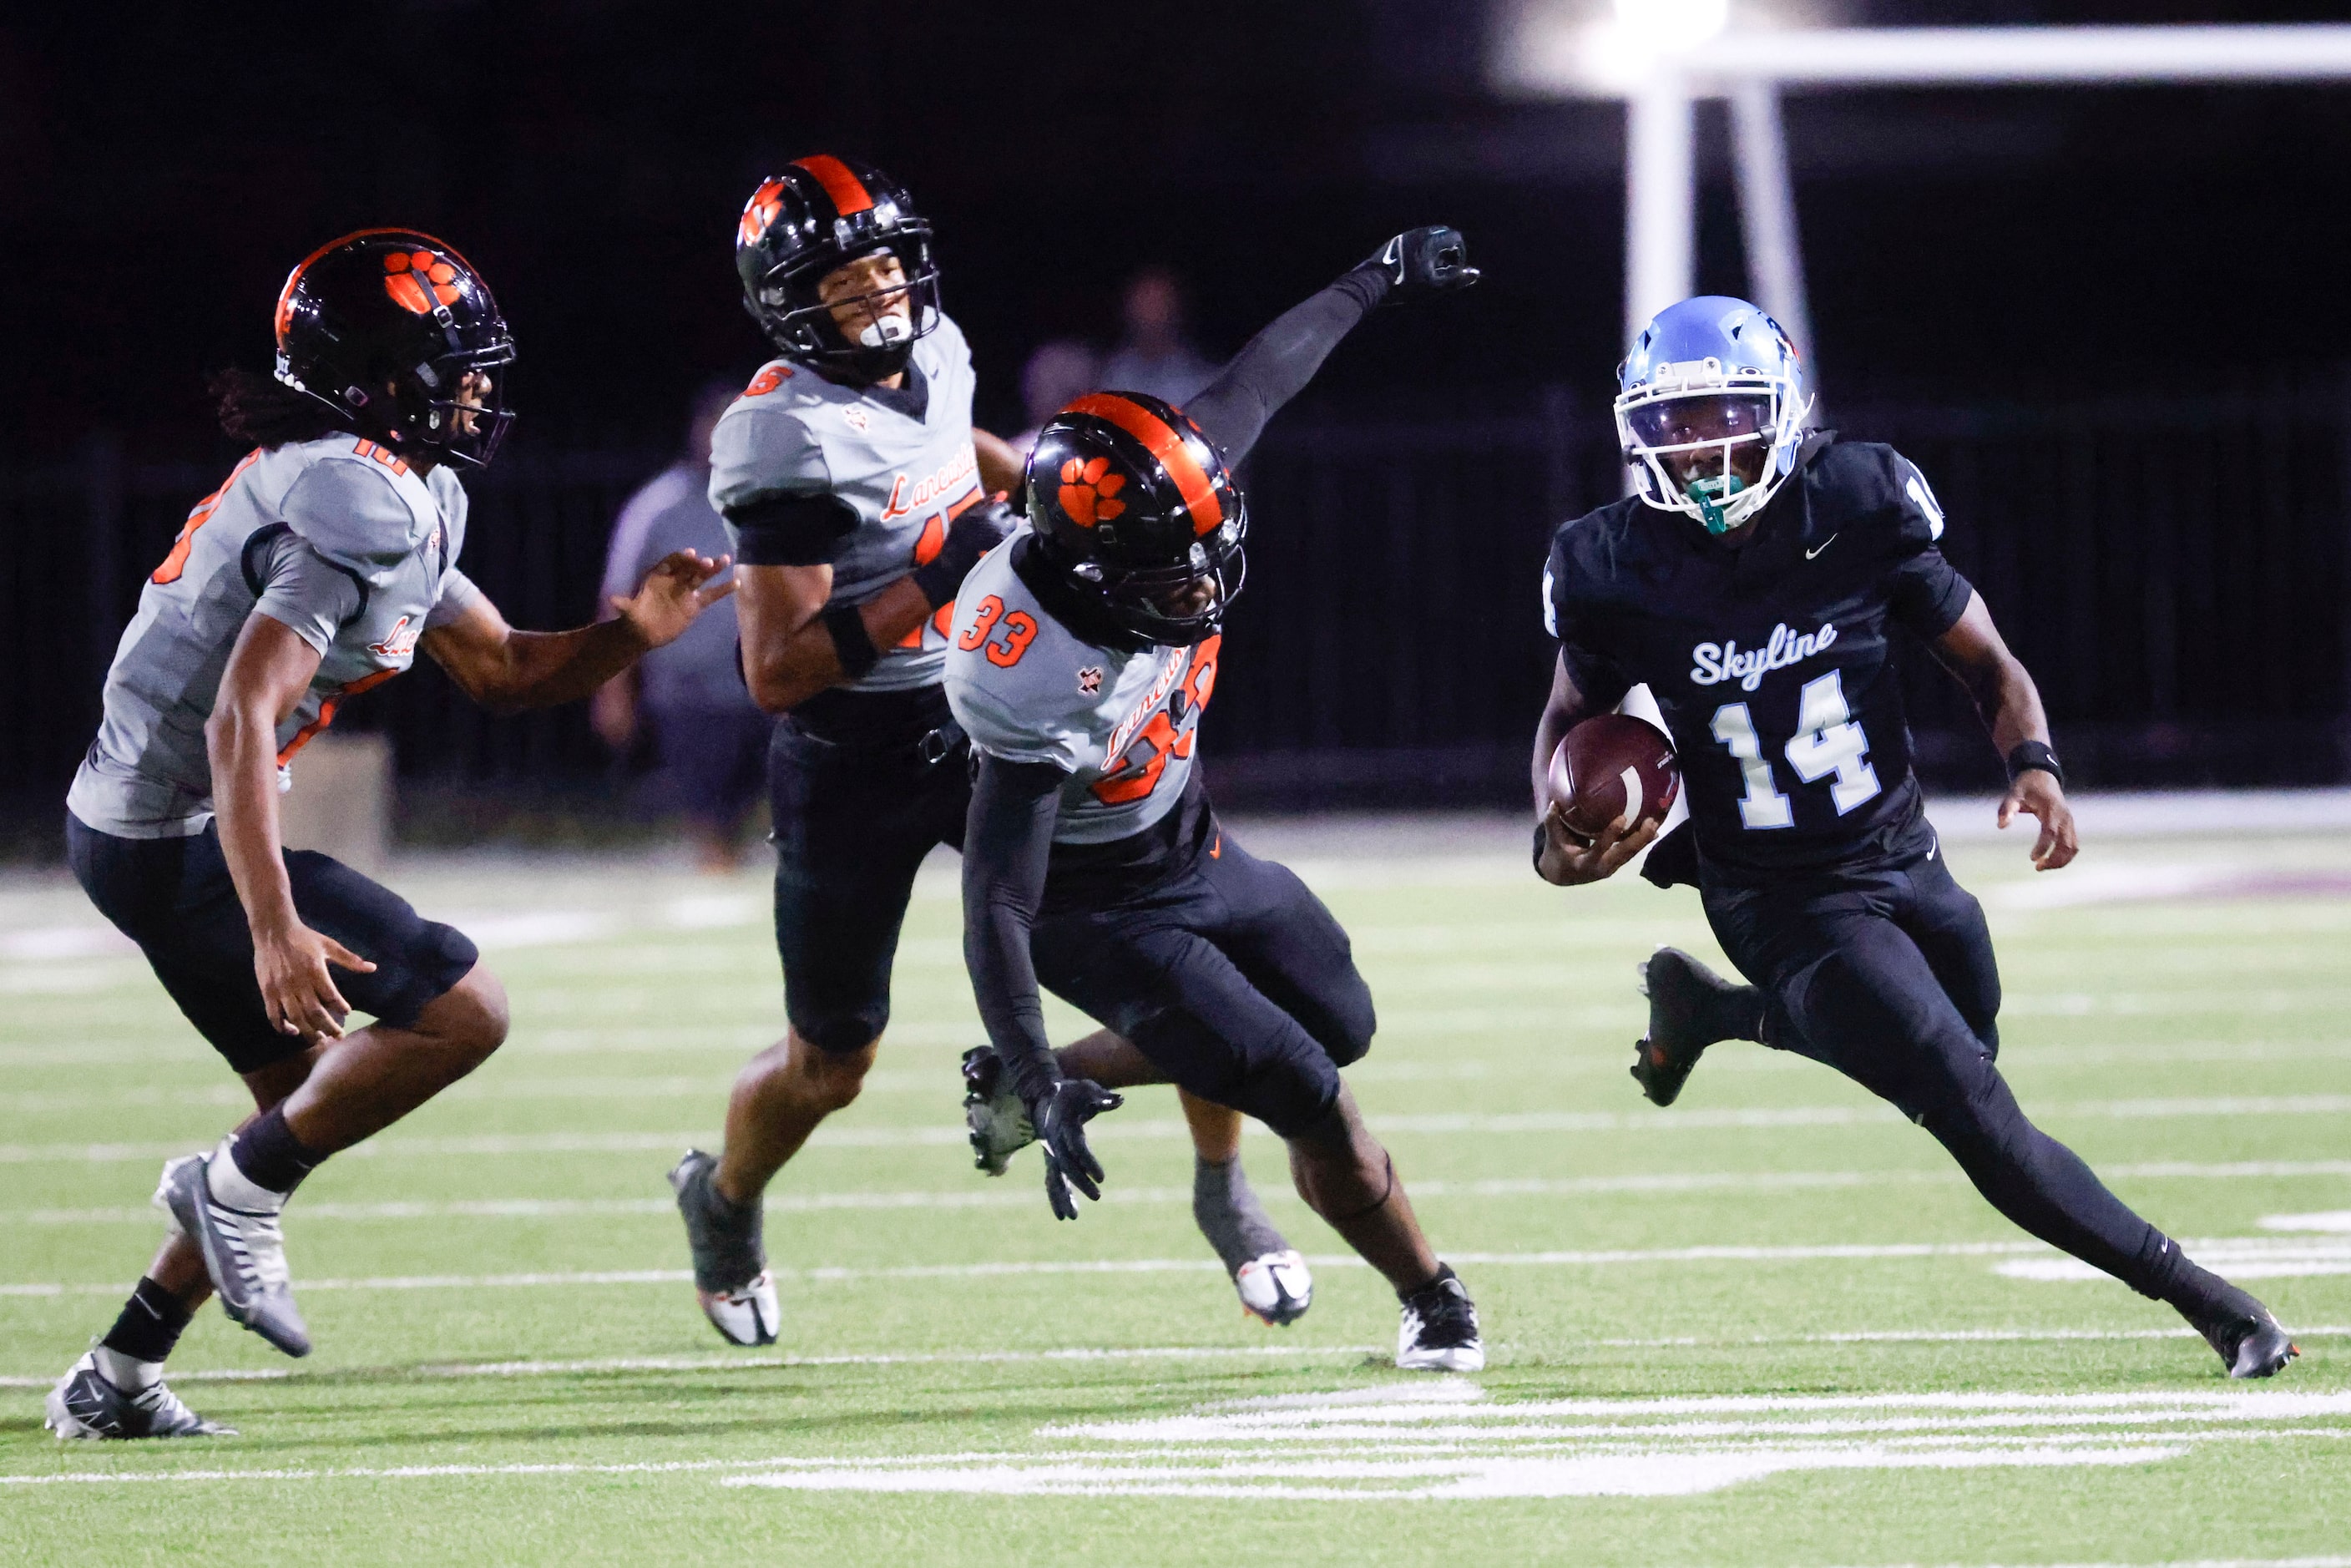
1757, 609
856, 490
1082, 654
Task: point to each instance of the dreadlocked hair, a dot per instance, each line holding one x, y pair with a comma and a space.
264, 412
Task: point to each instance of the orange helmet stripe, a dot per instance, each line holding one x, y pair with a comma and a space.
1160, 439
286, 295
848, 191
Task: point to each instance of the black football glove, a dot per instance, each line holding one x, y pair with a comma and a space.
1061, 1118
981, 528
1424, 262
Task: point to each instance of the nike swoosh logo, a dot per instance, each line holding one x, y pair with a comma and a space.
1933, 847
1819, 546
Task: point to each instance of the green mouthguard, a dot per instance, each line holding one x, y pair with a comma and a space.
1709, 494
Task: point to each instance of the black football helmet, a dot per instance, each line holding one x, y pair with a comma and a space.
1131, 505
819, 213
380, 327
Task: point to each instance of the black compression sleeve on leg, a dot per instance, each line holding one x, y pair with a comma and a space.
152, 1322
1279, 363
270, 1155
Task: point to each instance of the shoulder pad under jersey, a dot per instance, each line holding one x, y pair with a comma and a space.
359, 506
763, 447
1872, 482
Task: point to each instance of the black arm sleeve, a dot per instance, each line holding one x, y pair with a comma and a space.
1008, 840
792, 530
1279, 361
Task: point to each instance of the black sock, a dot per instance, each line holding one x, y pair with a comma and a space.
270, 1155
152, 1322
2169, 1277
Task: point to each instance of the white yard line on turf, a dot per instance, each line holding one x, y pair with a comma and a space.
2251, 1256
719, 1361
997, 1196
1113, 1130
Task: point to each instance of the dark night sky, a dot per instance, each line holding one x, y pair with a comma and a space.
161, 168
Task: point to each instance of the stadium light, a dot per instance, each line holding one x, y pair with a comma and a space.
1661, 55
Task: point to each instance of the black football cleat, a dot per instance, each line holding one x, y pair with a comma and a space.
1690, 1007
730, 1255
85, 1404
1439, 1328
2245, 1336
997, 1118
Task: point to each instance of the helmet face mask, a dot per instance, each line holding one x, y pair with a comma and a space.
396, 334
821, 215
1710, 411
1137, 515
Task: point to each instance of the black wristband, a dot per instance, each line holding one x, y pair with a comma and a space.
2034, 754
851, 643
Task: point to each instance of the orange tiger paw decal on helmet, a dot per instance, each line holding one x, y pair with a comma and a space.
1086, 491
416, 281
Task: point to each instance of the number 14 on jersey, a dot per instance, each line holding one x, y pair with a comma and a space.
1828, 742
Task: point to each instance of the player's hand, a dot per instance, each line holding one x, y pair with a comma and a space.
981, 528
1423, 262
1570, 859
680, 587
1060, 1119
297, 989
2037, 794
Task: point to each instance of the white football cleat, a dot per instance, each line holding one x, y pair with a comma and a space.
1277, 1288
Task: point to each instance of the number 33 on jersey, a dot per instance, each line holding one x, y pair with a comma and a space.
1025, 688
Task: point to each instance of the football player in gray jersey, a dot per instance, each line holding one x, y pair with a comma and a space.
315, 571
1084, 653
855, 491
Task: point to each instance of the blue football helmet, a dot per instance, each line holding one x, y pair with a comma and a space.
1711, 376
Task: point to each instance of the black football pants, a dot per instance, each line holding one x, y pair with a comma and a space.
1887, 974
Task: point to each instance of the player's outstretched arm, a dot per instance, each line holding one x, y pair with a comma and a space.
1279, 360
1008, 844
505, 670
1974, 650
1567, 859
268, 670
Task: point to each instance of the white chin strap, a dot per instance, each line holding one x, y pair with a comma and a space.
884, 331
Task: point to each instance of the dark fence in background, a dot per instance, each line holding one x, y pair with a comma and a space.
2174, 570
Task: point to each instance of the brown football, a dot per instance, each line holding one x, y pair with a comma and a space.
1613, 768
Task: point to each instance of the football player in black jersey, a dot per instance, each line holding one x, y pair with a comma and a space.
1752, 584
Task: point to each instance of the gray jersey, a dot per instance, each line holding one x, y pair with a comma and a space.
1028, 689
339, 540
793, 433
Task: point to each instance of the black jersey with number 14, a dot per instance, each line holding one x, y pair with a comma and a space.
1770, 655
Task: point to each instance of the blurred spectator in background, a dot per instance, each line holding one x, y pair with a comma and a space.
710, 740
1057, 375
1157, 355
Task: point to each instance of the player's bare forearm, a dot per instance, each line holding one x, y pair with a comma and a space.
2009, 704
265, 678
1000, 463
788, 652
507, 671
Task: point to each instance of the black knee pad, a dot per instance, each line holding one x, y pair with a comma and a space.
1356, 1023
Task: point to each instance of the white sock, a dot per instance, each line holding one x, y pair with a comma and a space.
126, 1373
235, 1188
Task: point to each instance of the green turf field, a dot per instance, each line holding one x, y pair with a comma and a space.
1771, 1325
